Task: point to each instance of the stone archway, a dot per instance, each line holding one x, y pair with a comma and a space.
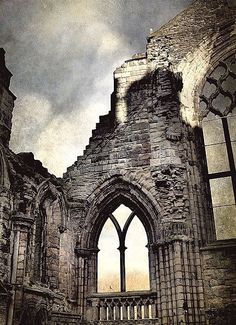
107, 198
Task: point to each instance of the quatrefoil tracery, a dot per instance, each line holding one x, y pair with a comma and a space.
229, 66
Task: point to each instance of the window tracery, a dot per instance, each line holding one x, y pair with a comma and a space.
218, 110
129, 268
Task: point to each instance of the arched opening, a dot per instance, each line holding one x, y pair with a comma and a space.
40, 243
218, 106
41, 317
47, 241
137, 270
108, 259
25, 319
123, 256
105, 202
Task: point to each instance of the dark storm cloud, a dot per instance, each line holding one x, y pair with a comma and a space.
62, 55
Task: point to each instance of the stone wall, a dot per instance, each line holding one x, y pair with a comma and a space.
145, 152
150, 144
6, 101
219, 266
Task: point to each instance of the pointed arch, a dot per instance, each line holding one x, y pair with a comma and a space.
107, 197
103, 201
47, 190
51, 220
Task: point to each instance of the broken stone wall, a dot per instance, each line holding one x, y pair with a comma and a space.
151, 143
148, 150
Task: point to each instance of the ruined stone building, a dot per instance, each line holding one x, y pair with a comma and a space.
167, 152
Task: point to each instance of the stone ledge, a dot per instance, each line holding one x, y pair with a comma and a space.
220, 244
126, 294
43, 291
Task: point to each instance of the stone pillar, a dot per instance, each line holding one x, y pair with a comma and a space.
21, 227
87, 279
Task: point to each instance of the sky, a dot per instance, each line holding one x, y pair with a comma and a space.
136, 255
62, 54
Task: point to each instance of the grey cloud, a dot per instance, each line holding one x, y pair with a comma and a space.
61, 51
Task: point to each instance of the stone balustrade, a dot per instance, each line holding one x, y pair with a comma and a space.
131, 307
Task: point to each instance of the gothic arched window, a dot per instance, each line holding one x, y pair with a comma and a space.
218, 106
123, 256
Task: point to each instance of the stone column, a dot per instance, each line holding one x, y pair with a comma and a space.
87, 280
21, 227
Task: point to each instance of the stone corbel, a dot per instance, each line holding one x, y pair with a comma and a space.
85, 252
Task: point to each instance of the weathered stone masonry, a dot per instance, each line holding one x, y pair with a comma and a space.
146, 153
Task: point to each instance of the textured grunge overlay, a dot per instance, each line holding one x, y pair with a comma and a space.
62, 54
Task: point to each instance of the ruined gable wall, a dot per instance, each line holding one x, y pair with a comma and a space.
148, 149
151, 139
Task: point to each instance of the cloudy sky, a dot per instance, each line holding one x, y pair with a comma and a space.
62, 54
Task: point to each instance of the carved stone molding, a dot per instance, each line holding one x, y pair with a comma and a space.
20, 220
85, 252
